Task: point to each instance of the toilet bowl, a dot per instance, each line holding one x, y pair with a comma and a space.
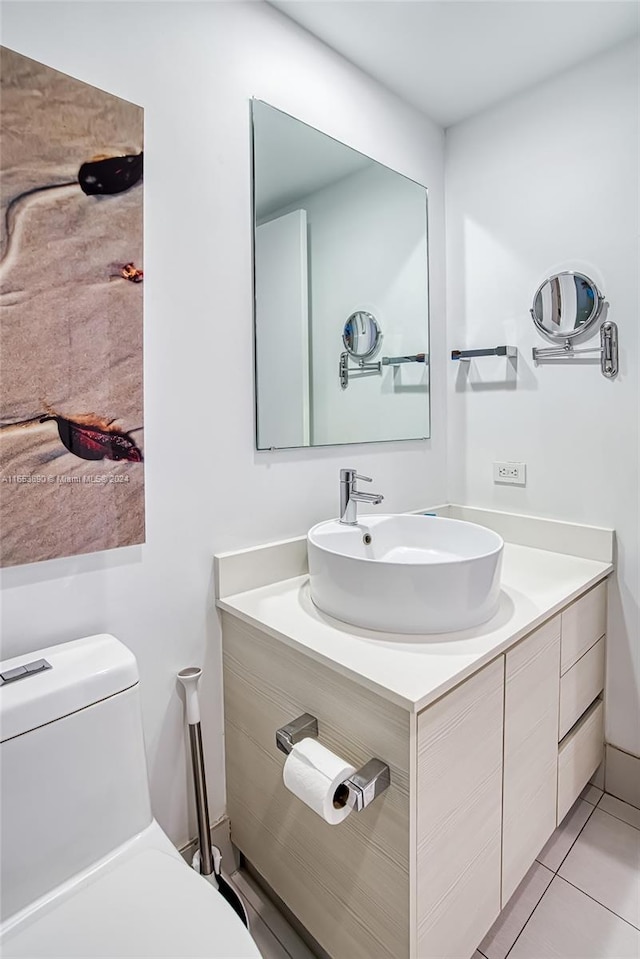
86, 870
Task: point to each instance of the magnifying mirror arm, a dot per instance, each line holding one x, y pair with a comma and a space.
362, 369
608, 350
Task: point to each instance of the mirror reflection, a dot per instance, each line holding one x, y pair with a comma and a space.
341, 274
566, 305
361, 335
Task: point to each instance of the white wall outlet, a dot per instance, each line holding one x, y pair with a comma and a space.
510, 473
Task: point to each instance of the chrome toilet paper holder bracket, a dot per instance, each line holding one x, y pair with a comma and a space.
301, 728
361, 788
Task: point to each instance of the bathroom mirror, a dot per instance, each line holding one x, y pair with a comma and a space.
340, 263
566, 305
361, 335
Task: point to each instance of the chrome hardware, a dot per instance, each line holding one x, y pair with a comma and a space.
366, 369
607, 351
367, 783
609, 347
566, 305
362, 369
399, 360
301, 728
350, 496
361, 788
21, 672
509, 351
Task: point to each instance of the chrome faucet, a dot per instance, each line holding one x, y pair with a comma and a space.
350, 496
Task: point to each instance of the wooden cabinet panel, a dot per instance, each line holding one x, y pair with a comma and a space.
347, 884
583, 623
459, 784
530, 751
579, 755
580, 685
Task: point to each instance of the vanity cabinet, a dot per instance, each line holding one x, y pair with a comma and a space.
479, 779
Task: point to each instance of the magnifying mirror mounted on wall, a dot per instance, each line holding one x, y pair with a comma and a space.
567, 305
362, 337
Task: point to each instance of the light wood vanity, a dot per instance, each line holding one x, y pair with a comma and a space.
483, 765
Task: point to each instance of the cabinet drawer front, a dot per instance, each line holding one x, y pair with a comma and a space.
580, 685
530, 751
583, 623
347, 884
458, 816
579, 755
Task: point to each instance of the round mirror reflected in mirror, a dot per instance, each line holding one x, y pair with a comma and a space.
566, 305
361, 335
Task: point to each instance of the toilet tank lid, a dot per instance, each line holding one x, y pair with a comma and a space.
82, 673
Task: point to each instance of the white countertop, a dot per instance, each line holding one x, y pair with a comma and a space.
413, 671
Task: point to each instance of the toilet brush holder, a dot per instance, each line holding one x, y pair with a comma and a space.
208, 859
223, 884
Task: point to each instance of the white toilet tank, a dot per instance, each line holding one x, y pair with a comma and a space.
74, 776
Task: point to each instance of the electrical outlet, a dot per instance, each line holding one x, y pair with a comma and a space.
510, 473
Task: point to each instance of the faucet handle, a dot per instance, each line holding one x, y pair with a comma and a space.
350, 476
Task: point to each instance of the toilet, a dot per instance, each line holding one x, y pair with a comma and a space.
86, 869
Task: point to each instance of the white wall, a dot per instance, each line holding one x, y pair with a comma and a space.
544, 182
193, 66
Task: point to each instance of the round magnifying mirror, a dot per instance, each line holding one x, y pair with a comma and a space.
361, 335
566, 305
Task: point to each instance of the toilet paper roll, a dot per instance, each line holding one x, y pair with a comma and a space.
313, 773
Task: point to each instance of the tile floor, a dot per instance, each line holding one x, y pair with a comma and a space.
579, 900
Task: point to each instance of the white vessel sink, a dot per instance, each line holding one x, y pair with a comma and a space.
406, 573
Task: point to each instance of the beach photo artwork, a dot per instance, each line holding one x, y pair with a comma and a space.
71, 316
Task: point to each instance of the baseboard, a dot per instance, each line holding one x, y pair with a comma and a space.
622, 775
220, 837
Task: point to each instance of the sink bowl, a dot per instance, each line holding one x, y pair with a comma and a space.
406, 573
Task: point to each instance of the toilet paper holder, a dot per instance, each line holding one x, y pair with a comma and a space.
361, 788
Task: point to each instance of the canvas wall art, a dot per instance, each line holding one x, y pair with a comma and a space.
71, 302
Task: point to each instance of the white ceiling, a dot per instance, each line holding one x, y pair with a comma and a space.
453, 58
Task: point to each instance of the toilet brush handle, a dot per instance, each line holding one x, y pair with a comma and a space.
202, 806
189, 678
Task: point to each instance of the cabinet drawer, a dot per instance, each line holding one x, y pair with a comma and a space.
580, 685
584, 622
579, 755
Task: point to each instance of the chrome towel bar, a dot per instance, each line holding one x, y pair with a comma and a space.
510, 351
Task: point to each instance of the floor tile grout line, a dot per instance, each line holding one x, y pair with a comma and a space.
555, 872
578, 834
531, 915
625, 821
626, 801
584, 798
598, 903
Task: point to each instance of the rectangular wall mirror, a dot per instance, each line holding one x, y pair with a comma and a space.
341, 292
